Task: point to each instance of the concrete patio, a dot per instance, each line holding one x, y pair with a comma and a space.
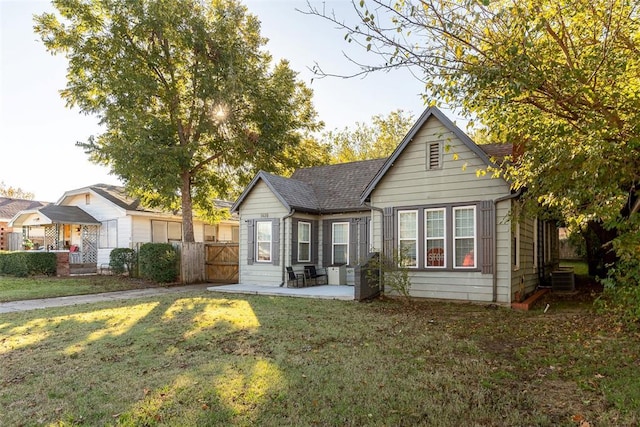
321, 292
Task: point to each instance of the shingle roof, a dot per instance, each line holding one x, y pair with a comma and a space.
118, 196
338, 187
320, 189
497, 151
67, 215
9, 206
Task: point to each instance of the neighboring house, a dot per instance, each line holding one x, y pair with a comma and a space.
428, 200
91, 221
11, 237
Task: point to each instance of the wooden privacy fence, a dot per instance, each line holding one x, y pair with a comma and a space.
222, 262
192, 262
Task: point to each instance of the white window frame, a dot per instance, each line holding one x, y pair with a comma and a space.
408, 239
428, 238
258, 241
109, 232
456, 237
334, 244
302, 224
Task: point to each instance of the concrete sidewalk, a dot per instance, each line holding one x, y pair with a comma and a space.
16, 306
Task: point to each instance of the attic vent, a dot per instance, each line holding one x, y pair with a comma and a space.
434, 156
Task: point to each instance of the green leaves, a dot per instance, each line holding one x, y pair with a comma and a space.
155, 72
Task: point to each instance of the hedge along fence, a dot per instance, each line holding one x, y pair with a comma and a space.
158, 262
22, 264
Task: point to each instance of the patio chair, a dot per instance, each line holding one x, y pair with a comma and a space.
293, 277
311, 273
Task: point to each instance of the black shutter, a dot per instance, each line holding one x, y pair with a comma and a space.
275, 241
326, 243
363, 243
487, 226
315, 243
251, 246
388, 231
353, 241
294, 240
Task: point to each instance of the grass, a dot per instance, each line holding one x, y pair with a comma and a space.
19, 288
200, 358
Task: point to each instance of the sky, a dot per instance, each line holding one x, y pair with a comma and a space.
38, 133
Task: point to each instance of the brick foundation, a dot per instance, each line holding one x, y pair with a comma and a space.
62, 264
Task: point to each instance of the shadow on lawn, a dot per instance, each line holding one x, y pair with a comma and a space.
202, 359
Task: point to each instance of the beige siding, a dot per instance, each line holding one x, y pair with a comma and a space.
98, 207
262, 203
409, 183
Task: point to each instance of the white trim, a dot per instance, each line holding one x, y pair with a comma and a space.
258, 241
455, 237
308, 242
407, 239
443, 238
334, 244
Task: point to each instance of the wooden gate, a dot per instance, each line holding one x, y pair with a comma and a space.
222, 262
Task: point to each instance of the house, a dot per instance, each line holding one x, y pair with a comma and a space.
93, 220
429, 200
11, 237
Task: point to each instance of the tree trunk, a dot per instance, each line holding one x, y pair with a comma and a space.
187, 209
600, 254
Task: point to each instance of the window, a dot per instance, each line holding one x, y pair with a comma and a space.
263, 241
109, 234
434, 233
304, 242
340, 243
87, 199
434, 155
209, 233
164, 231
408, 238
174, 231
464, 237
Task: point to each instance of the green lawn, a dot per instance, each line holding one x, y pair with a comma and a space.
22, 288
202, 358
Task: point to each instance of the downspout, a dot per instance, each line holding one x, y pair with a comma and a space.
495, 240
284, 243
381, 211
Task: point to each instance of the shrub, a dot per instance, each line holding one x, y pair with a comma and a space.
158, 262
122, 260
395, 273
621, 295
22, 264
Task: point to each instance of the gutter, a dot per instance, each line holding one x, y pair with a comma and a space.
495, 241
284, 243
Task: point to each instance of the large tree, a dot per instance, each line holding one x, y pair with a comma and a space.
560, 78
373, 140
190, 102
